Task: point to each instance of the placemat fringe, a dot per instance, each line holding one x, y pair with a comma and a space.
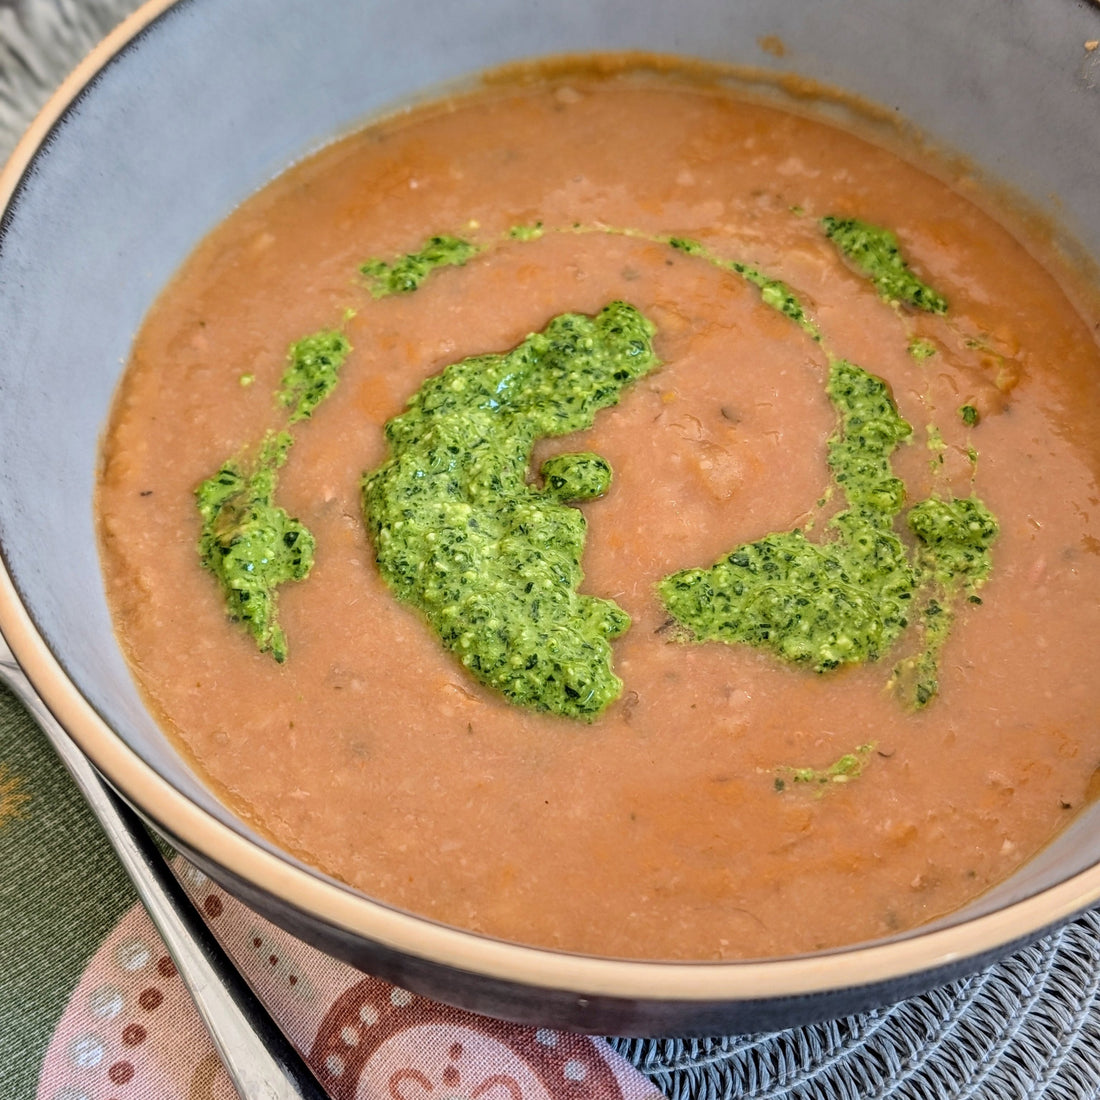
39, 45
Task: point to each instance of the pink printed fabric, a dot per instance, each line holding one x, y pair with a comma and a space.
130, 1032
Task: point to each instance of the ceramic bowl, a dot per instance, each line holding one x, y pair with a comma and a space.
191, 106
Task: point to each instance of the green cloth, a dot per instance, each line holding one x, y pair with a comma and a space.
61, 891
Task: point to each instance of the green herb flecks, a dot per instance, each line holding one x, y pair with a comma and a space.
843, 770
875, 253
969, 415
312, 370
774, 293
406, 273
250, 544
688, 246
526, 232
825, 604
460, 533
921, 349
915, 679
780, 297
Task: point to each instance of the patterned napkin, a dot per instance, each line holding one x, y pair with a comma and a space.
91, 1007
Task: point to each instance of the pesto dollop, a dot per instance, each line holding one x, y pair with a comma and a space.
848, 598
312, 371
250, 544
840, 601
460, 532
875, 252
407, 272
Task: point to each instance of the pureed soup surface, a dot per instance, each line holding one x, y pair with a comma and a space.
728, 802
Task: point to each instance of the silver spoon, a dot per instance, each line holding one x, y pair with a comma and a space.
257, 1056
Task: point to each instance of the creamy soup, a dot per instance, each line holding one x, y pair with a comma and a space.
814, 667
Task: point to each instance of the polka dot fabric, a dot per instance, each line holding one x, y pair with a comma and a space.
130, 1032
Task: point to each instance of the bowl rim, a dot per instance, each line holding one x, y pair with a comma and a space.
340, 907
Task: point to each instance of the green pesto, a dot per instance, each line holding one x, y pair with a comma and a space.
460, 532
937, 445
774, 293
251, 545
915, 679
847, 599
953, 559
526, 232
574, 477
843, 770
406, 273
844, 599
955, 540
875, 252
313, 367
825, 604
688, 246
921, 349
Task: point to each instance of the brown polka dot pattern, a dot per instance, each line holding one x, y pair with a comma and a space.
121, 1073
133, 1035
568, 1067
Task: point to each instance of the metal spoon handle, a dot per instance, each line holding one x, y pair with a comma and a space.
257, 1056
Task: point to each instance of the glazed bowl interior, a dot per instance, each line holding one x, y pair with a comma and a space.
196, 105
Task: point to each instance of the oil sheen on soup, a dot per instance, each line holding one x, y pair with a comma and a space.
607, 513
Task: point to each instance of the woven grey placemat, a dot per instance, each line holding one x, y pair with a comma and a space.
1026, 1028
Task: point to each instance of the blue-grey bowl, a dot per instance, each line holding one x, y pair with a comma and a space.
190, 107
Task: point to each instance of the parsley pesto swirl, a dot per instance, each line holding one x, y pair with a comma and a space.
491, 560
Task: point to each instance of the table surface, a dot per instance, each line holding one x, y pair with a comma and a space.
90, 1008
